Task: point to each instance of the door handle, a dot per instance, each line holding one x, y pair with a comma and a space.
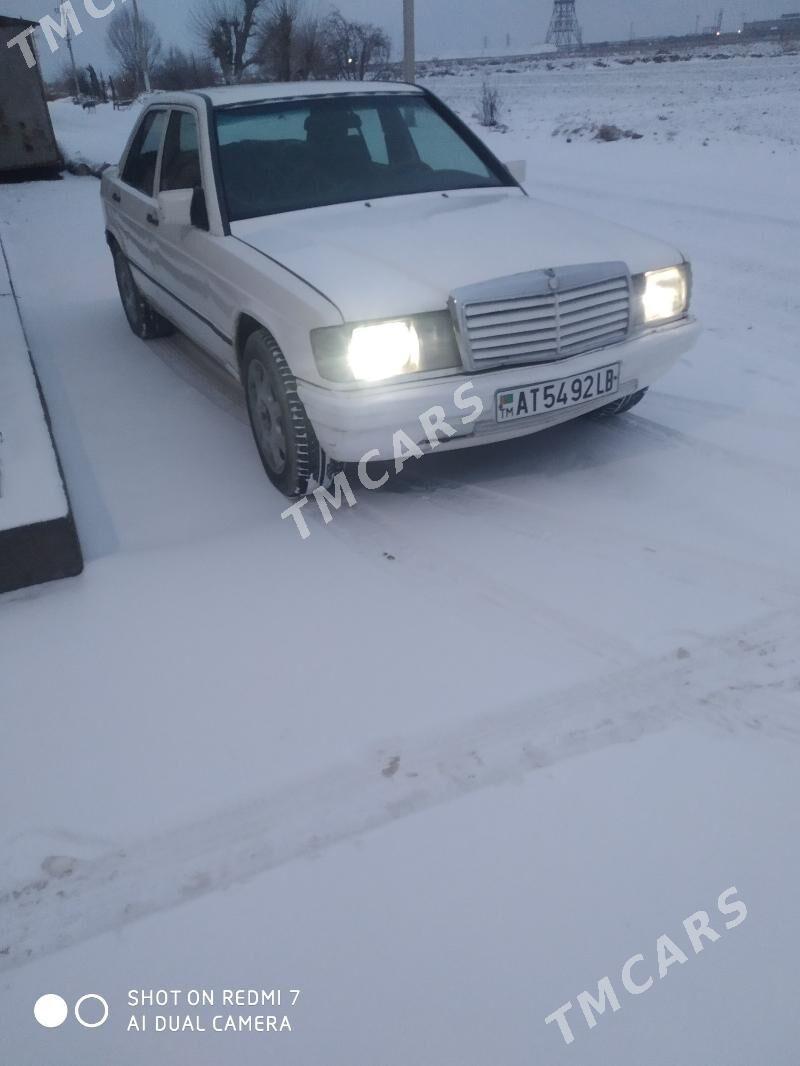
115, 196
152, 220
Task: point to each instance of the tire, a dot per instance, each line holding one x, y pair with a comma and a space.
620, 406
143, 319
284, 436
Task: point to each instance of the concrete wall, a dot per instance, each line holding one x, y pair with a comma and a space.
27, 141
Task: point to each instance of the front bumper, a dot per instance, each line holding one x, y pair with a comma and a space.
349, 423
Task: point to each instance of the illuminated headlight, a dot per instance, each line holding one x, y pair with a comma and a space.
664, 294
383, 351
376, 351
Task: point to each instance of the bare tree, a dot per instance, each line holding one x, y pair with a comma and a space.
96, 84
354, 48
136, 50
310, 58
181, 70
375, 48
124, 86
277, 39
69, 83
292, 43
226, 28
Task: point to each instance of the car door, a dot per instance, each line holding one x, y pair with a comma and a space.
185, 253
133, 197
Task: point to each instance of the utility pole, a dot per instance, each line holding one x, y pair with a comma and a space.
409, 53
65, 21
140, 55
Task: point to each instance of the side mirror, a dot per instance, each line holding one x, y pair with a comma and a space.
175, 207
518, 169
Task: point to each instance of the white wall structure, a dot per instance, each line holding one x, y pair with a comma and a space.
38, 540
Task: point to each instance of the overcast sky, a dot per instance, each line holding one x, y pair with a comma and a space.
443, 26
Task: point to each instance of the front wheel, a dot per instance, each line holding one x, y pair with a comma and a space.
285, 438
620, 406
143, 319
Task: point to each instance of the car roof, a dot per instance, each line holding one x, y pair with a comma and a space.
230, 95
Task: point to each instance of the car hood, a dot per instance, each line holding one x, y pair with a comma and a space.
404, 255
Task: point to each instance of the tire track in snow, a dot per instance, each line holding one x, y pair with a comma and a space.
640, 425
745, 680
552, 530
706, 209
441, 562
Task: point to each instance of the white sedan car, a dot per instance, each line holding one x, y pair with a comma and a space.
357, 257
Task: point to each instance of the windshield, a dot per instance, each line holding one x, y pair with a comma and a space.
294, 154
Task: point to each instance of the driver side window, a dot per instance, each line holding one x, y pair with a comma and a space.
140, 166
180, 165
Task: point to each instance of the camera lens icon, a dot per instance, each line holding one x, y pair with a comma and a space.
51, 1011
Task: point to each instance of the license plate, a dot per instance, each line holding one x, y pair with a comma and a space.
548, 396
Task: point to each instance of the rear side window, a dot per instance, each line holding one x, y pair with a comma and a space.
180, 164
140, 166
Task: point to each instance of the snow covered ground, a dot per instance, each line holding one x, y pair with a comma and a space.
492, 732
749, 97
92, 137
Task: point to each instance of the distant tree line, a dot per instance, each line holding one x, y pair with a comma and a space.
236, 40
280, 40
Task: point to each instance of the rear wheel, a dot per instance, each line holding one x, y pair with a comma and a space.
285, 438
620, 406
143, 319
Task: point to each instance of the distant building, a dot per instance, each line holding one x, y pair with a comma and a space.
27, 142
784, 26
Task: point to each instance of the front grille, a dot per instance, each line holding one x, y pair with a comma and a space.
544, 315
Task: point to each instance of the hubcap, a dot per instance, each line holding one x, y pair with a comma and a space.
267, 416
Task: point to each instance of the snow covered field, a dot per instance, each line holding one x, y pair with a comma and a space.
748, 98
494, 731
741, 101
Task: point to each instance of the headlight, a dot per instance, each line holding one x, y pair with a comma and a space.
376, 351
664, 294
383, 351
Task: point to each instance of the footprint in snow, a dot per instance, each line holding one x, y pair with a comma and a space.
59, 866
392, 766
